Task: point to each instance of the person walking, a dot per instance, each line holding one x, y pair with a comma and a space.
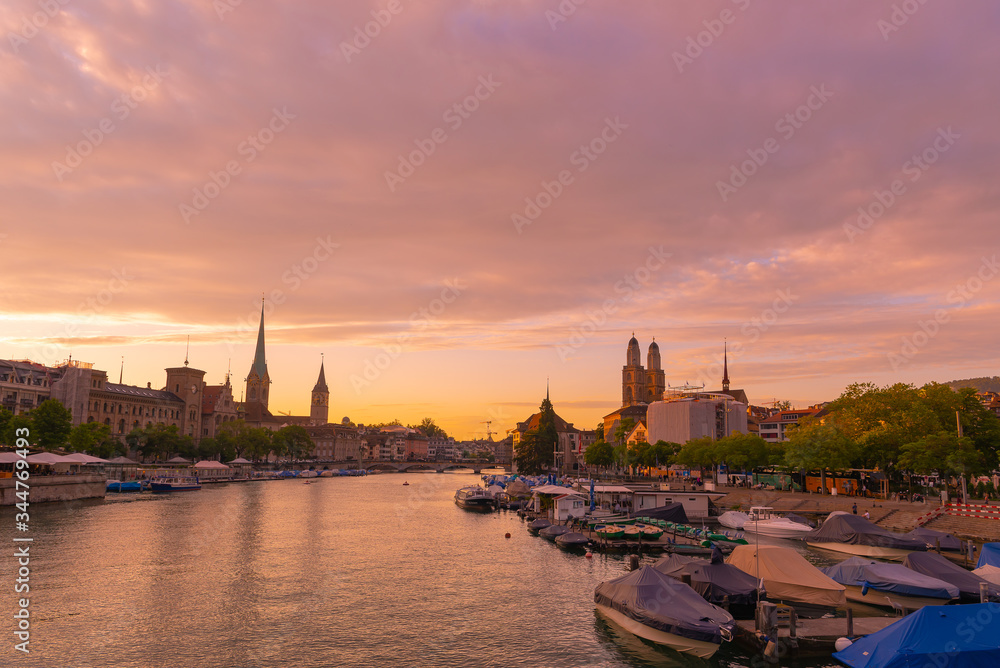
854, 509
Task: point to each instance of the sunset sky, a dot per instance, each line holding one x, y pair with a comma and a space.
485, 194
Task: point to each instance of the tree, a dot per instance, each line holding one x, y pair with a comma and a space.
15, 424
428, 428
258, 442
700, 452
94, 439
943, 453
534, 453
661, 454
233, 436
819, 445
158, 441
5, 417
599, 454
294, 441
623, 429
743, 452
52, 423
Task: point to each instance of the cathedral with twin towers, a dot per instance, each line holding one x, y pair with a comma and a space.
644, 385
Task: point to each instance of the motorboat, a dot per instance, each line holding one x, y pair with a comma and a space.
890, 585
733, 519
968, 583
716, 581
405, 484
572, 540
553, 531
663, 610
474, 498
535, 526
174, 484
119, 486
308, 474
788, 578
957, 636
763, 521
936, 539
856, 535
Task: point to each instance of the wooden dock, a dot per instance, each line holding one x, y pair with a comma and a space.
813, 637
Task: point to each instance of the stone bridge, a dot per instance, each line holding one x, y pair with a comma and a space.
403, 467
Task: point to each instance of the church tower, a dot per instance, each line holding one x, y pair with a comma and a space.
725, 367
633, 376
319, 411
656, 382
258, 382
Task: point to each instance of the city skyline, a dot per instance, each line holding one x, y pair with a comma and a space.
455, 201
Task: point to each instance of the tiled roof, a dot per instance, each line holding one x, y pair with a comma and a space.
142, 392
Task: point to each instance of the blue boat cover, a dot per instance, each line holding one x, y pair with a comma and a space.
990, 555
894, 578
956, 636
936, 566
658, 601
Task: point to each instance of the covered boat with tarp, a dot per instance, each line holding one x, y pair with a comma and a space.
989, 573
672, 512
990, 555
535, 526
856, 535
890, 585
553, 531
663, 610
718, 583
956, 636
936, 566
933, 539
789, 578
733, 519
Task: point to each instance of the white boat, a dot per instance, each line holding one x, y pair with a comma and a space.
474, 498
733, 519
174, 484
656, 607
308, 474
763, 521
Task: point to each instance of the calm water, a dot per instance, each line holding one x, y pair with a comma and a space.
342, 572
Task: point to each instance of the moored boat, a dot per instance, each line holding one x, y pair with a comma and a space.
716, 581
856, 535
129, 486
789, 578
572, 540
690, 624
889, 585
733, 519
474, 498
968, 583
763, 521
535, 526
174, 484
553, 531
609, 531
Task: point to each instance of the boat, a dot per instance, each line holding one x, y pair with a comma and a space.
405, 484
129, 486
474, 498
651, 533
989, 573
889, 585
632, 532
935, 539
308, 474
716, 581
989, 555
856, 535
968, 583
956, 636
572, 540
535, 526
763, 521
656, 607
733, 519
174, 484
609, 531
788, 578
551, 532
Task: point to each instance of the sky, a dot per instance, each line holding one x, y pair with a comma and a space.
453, 203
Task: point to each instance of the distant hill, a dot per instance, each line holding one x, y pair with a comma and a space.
984, 384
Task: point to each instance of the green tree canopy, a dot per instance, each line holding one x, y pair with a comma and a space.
943, 453
534, 453
824, 446
15, 423
51, 423
599, 454
700, 452
293, 441
428, 428
95, 439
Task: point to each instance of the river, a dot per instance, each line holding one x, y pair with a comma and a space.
340, 572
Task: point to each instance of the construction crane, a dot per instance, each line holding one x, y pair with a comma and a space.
489, 433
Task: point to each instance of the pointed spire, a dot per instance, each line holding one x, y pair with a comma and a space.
229, 371
121, 372
187, 351
259, 360
547, 389
321, 381
725, 367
